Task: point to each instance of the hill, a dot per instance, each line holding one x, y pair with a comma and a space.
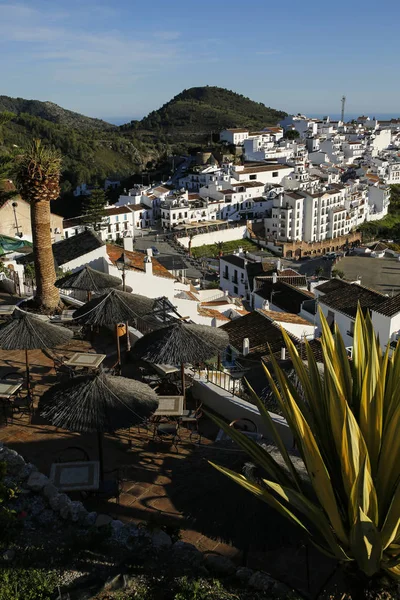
52, 112
194, 114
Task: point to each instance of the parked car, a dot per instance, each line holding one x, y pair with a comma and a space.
155, 250
329, 256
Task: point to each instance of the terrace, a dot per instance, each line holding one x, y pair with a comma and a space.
158, 479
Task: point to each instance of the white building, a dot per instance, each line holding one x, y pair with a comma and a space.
266, 174
340, 306
286, 220
234, 136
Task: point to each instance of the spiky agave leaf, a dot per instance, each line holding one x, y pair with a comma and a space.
346, 425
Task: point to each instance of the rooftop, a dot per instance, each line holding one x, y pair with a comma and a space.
262, 169
284, 317
347, 303
71, 248
389, 307
288, 297
136, 260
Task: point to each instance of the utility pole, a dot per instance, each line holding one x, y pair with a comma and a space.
343, 105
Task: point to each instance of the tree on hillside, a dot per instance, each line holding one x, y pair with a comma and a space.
38, 180
94, 209
292, 134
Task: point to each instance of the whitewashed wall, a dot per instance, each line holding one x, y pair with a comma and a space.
224, 235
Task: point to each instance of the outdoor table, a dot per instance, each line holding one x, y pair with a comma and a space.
85, 359
6, 310
76, 476
7, 390
65, 317
169, 406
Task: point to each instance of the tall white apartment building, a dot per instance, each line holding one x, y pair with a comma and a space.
325, 215
286, 220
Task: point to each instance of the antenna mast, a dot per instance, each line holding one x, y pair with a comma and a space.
343, 105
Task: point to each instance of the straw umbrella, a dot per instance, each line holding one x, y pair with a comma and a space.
88, 280
99, 404
113, 308
27, 332
181, 343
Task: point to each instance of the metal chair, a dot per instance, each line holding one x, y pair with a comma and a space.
191, 419
111, 487
168, 432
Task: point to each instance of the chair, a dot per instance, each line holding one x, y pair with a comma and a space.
111, 487
168, 432
191, 418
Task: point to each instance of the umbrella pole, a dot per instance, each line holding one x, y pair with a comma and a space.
183, 384
28, 379
118, 345
101, 460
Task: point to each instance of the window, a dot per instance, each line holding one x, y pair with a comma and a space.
274, 173
253, 177
66, 235
126, 226
235, 290
125, 217
116, 218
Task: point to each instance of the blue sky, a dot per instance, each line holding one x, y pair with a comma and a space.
124, 58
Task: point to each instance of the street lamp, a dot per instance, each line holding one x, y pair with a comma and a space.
122, 263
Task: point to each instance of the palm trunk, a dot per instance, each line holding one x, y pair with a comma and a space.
47, 295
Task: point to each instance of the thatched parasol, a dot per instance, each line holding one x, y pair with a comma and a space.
98, 403
26, 332
219, 508
113, 308
88, 280
181, 343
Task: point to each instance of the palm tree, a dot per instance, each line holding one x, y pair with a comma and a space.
38, 180
319, 271
346, 426
220, 247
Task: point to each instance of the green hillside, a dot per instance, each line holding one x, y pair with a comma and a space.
52, 112
195, 114
93, 149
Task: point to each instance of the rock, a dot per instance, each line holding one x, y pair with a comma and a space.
90, 519
9, 555
161, 540
77, 511
49, 491
261, 581
59, 501
36, 506
187, 553
37, 481
219, 564
244, 574
13, 459
280, 590
103, 520
48, 518
25, 471
116, 525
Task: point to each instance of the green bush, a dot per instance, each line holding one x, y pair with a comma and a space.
8, 520
27, 584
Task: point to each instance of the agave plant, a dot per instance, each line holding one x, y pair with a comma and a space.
346, 426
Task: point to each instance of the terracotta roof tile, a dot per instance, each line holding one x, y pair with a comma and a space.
214, 314
137, 261
283, 317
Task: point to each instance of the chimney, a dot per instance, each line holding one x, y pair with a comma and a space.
274, 278
128, 244
246, 346
148, 264
283, 353
240, 250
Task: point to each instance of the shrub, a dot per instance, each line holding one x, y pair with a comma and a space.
27, 584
